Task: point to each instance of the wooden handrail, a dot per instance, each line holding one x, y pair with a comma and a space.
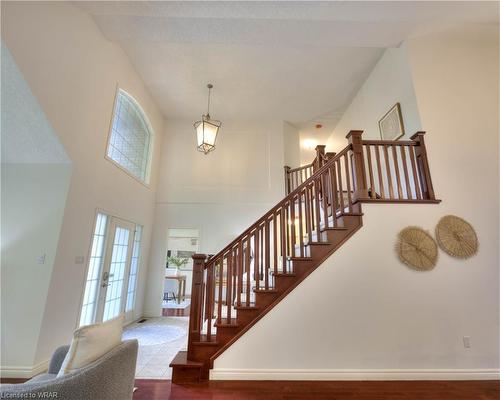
364, 171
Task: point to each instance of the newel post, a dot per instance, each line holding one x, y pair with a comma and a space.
320, 154
358, 166
195, 317
287, 179
424, 173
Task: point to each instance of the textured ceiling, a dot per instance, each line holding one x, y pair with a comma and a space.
298, 61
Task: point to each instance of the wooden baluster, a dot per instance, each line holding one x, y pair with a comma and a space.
292, 226
341, 190
288, 228
221, 282
283, 238
317, 212
256, 257
240, 272
324, 202
275, 243
423, 166
301, 233
371, 191
333, 201
268, 255
348, 182
209, 300
409, 195
379, 169
388, 169
308, 214
229, 286
249, 276
414, 171
396, 168
358, 167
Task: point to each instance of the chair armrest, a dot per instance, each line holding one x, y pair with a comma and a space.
57, 359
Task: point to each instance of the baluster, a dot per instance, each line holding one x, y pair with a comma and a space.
409, 194
256, 257
287, 228
275, 243
371, 191
268, 255
348, 181
249, 277
341, 190
379, 169
221, 282
324, 194
283, 238
388, 169
229, 292
308, 214
317, 211
292, 226
240, 272
414, 171
301, 233
334, 193
209, 300
396, 168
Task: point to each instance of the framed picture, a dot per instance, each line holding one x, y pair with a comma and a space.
391, 124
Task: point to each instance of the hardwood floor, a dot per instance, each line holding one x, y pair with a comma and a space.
176, 312
299, 390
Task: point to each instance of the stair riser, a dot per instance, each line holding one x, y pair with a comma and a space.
283, 283
264, 299
245, 316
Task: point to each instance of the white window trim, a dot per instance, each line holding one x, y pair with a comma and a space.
147, 181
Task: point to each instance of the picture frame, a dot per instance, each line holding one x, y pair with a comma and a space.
391, 124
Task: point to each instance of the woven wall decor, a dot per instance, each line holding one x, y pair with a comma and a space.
456, 237
417, 249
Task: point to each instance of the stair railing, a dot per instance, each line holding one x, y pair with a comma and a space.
361, 172
294, 177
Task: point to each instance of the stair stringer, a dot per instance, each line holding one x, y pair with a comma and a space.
353, 222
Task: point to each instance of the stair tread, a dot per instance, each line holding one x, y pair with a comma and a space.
224, 323
252, 306
290, 274
334, 228
270, 290
319, 244
181, 360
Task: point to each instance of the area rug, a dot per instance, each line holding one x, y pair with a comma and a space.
149, 334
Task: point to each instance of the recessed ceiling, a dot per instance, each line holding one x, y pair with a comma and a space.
297, 61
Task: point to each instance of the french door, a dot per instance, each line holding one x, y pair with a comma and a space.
112, 273
115, 271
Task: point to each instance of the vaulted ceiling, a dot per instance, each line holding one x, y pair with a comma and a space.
297, 61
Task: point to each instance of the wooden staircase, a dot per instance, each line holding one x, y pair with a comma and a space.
322, 209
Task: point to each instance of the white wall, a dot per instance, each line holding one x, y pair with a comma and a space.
363, 314
73, 72
221, 193
389, 83
291, 141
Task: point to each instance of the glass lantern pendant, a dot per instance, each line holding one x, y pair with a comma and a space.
207, 129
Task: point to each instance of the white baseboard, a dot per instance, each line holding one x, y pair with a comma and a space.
23, 371
354, 374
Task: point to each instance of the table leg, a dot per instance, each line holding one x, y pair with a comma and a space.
179, 292
184, 289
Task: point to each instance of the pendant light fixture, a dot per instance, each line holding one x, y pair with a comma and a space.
207, 129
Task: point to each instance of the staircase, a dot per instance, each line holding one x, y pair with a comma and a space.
235, 288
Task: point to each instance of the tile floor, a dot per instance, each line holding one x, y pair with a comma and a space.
159, 341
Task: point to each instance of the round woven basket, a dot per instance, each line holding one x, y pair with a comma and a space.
456, 237
417, 249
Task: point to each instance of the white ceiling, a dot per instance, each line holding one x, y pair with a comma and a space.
297, 61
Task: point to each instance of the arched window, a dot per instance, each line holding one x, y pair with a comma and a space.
129, 143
